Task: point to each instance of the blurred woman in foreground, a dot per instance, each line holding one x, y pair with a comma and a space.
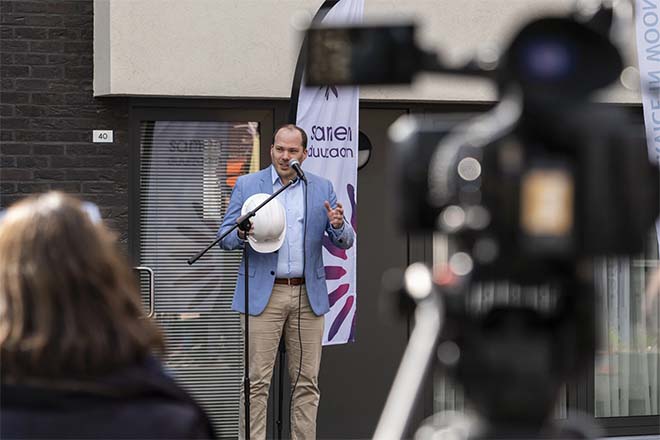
75, 346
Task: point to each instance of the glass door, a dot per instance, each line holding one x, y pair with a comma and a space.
186, 172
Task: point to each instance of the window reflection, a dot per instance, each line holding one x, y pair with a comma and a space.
627, 361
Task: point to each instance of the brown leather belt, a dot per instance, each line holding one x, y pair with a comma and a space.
290, 281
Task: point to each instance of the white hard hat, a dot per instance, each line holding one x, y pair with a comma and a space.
269, 223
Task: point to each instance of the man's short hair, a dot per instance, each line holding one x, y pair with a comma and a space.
303, 135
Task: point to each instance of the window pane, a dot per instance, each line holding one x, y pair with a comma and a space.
627, 367
187, 172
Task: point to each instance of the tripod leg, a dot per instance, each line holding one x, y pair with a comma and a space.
409, 377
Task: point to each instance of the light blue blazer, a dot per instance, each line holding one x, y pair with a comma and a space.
262, 266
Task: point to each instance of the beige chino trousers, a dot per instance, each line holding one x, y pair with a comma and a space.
281, 314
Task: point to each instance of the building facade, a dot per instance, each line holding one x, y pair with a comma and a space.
191, 91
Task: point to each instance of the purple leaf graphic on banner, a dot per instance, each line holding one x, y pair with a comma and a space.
336, 294
329, 89
334, 250
340, 318
350, 190
334, 272
351, 336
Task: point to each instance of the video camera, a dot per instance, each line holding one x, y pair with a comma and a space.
529, 192
545, 178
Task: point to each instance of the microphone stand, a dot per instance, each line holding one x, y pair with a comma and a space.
244, 223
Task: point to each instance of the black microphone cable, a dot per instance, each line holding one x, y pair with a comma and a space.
295, 384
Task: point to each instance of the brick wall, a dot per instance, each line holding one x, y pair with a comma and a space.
47, 111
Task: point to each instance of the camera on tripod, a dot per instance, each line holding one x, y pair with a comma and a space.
529, 192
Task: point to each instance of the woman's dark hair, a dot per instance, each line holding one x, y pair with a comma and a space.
69, 303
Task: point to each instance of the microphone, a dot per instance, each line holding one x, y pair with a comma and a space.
296, 167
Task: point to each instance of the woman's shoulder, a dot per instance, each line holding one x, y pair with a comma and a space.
141, 401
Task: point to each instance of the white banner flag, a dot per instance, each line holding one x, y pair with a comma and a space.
329, 116
647, 23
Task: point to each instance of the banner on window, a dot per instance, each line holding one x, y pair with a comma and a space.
647, 23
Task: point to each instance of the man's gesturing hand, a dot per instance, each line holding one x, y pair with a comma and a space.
336, 216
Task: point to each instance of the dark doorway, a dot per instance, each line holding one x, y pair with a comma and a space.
355, 378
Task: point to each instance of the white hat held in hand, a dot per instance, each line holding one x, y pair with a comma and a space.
269, 223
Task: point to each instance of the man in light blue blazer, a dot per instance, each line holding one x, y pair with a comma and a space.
287, 289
